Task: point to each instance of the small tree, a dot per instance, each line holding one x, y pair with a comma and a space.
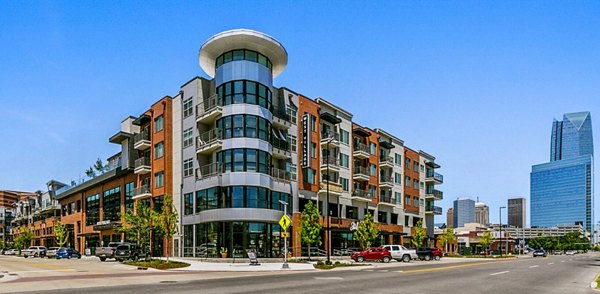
90, 172
166, 222
99, 166
367, 231
24, 238
447, 238
61, 234
486, 239
138, 224
418, 234
310, 226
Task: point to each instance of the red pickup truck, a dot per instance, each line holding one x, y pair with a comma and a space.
374, 253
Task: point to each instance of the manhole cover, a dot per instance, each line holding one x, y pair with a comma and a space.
168, 282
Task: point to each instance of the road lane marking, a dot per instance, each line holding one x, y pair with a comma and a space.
329, 278
383, 271
533, 266
446, 267
399, 271
499, 273
562, 261
551, 263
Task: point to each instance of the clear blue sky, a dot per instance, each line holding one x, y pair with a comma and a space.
476, 84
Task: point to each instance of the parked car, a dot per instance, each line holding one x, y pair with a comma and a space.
67, 253
34, 251
426, 253
401, 253
11, 251
129, 251
107, 252
571, 252
52, 251
374, 253
437, 253
539, 252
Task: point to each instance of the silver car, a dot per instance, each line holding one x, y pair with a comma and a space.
51, 253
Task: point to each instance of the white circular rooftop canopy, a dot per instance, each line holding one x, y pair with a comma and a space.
242, 39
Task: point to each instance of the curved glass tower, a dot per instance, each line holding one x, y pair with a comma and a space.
242, 149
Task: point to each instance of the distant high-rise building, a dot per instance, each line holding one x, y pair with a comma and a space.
562, 189
517, 212
464, 212
482, 213
450, 218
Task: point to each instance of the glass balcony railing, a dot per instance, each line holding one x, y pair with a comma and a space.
74, 183
208, 138
362, 194
142, 161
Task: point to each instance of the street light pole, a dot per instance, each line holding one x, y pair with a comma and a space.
500, 241
327, 206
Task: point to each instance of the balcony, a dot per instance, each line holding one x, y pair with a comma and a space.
141, 141
208, 142
281, 149
361, 173
386, 162
362, 195
330, 162
430, 209
434, 177
281, 118
142, 192
209, 170
331, 182
142, 166
434, 194
387, 200
209, 109
330, 139
282, 175
386, 181
361, 151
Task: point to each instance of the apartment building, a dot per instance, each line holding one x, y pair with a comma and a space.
38, 212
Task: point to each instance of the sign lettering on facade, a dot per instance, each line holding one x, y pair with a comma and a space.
305, 140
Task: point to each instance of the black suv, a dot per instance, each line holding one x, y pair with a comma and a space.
129, 251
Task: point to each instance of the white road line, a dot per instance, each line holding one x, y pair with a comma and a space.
329, 278
551, 263
533, 266
562, 261
399, 271
383, 271
499, 273
369, 270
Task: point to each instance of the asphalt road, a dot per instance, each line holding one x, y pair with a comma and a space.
555, 274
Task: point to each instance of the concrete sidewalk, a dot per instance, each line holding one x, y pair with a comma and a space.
196, 265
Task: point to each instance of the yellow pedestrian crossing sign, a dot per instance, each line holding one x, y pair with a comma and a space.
285, 222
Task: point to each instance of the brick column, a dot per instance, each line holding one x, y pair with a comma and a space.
296, 238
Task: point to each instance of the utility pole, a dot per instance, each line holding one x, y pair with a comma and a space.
500, 241
285, 239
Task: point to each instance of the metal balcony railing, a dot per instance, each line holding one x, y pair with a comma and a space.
207, 105
142, 161
387, 199
281, 174
145, 189
208, 138
361, 147
211, 169
361, 193
325, 136
386, 159
143, 136
385, 179
331, 160
361, 170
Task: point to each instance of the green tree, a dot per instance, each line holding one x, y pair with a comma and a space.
166, 222
61, 234
447, 238
24, 239
486, 239
310, 227
138, 223
367, 231
99, 166
419, 234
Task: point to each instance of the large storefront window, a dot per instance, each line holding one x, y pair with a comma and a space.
244, 126
239, 238
241, 197
111, 203
129, 189
92, 209
243, 54
244, 160
242, 91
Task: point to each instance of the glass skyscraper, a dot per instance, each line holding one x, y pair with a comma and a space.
464, 212
562, 189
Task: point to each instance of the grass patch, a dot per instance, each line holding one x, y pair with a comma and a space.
297, 261
321, 265
158, 264
598, 282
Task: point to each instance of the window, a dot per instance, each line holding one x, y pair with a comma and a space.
313, 149
422, 168
244, 160
188, 137
188, 167
159, 179
416, 202
158, 150
407, 199
244, 126
344, 160
406, 220
415, 184
345, 184
415, 166
398, 178
92, 210
188, 108
398, 197
293, 142
407, 181
242, 91
313, 123
158, 124
373, 148
344, 137
421, 202
188, 200
129, 188
421, 185
372, 170
397, 159
351, 212
292, 111
372, 190
292, 169
382, 217
243, 54
309, 175
407, 162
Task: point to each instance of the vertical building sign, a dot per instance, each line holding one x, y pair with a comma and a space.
305, 140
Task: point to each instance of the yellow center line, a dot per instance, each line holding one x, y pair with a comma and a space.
50, 266
453, 266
